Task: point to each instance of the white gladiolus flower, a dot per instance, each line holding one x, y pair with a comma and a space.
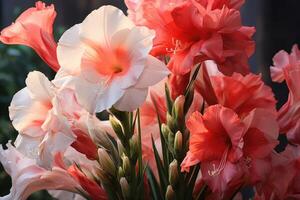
109, 58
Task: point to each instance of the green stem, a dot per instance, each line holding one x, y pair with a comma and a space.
140, 161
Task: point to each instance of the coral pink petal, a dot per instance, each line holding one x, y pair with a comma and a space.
37, 34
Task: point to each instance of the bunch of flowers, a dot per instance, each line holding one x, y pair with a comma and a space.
185, 117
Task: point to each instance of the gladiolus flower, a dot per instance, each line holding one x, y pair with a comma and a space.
193, 31
34, 28
236, 4
48, 114
287, 67
288, 116
214, 138
238, 92
32, 112
282, 61
283, 179
225, 144
111, 60
28, 177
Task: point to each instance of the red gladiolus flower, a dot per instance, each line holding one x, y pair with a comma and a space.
217, 135
229, 147
193, 31
283, 178
282, 61
289, 113
287, 67
34, 28
238, 92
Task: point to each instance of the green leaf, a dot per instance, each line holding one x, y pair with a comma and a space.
155, 189
164, 146
190, 184
140, 186
194, 76
160, 168
140, 161
201, 194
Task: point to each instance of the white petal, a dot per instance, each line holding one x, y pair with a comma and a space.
52, 144
87, 94
154, 72
65, 195
39, 86
25, 112
138, 43
132, 99
104, 22
138, 40
69, 50
74, 156
29, 146
97, 97
21, 101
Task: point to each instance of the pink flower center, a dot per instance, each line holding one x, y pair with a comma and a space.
106, 61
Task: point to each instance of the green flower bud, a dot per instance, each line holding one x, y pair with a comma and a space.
126, 165
178, 108
171, 138
121, 172
173, 173
165, 131
98, 134
124, 187
116, 125
106, 162
178, 143
134, 147
123, 118
171, 122
121, 148
169, 100
170, 194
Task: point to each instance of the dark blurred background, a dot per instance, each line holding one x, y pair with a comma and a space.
277, 23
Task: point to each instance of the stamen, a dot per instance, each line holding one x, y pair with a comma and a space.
169, 50
177, 44
216, 171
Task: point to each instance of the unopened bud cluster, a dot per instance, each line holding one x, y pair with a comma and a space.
173, 130
176, 139
127, 145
